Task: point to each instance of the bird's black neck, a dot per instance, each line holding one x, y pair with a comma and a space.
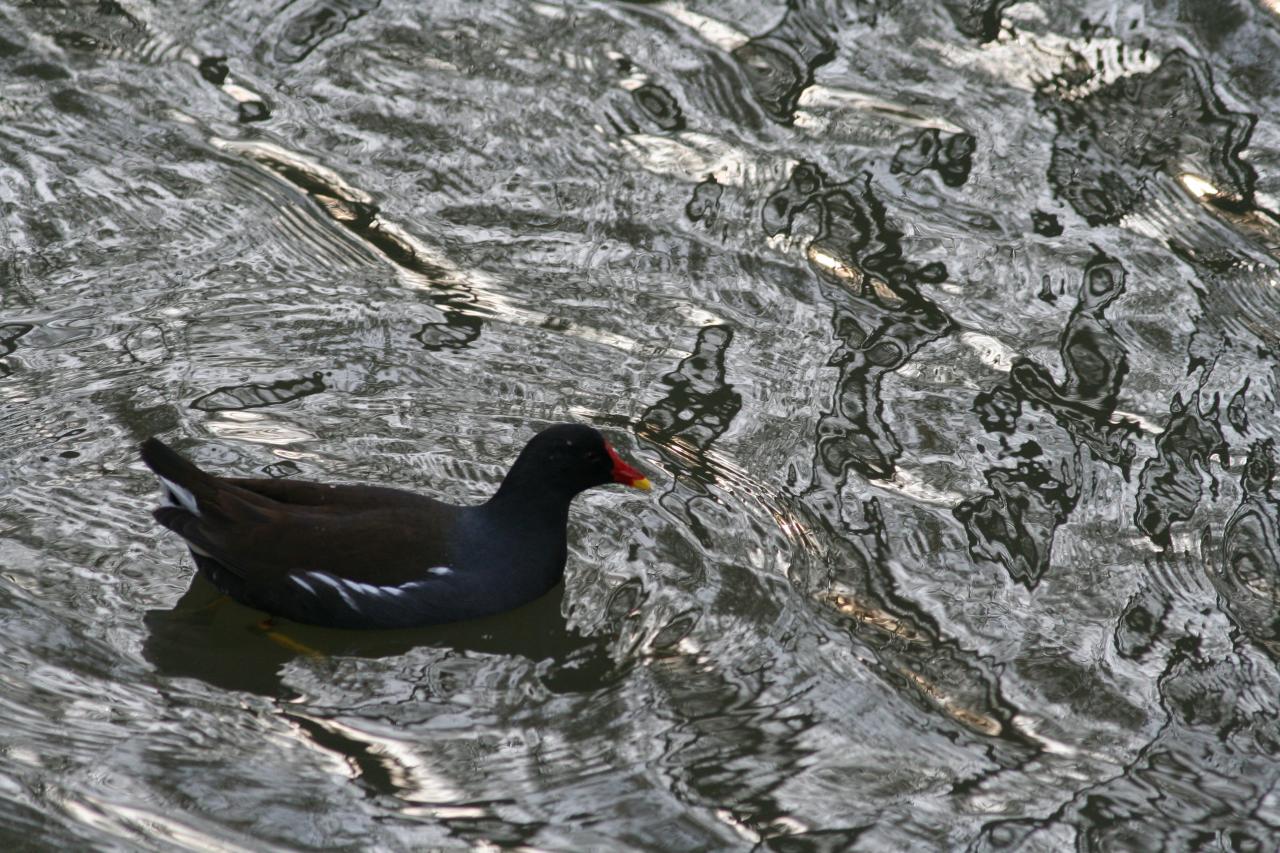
528, 487
529, 502
527, 527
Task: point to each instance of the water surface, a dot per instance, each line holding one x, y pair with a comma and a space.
946, 331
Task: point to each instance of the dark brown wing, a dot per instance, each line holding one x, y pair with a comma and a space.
262, 540
304, 493
264, 530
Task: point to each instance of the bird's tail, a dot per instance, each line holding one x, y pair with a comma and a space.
186, 486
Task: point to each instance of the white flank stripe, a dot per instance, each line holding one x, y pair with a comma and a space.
300, 582
340, 586
346, 588
365, 588
184, 497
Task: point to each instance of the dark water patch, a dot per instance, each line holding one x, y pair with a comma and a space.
207, 636
1169, 604
659, 105
977, 19
111, 7
1111, 136
1216, 21
1094, 363
371, 768
250, 111
998, 409
496, 829
721, 720
779, 65
283, 468
42, 71
10, 333
1171, 484
951, 156
214, 69
880, 317
716, 83
255, 395
9, 48
697, 407
75, 103
457, 332
1046, 293
1237, 409
1248, 578
785, 204
1094, 359
705, 202
1014, 525
1045, 224
313, 23
1143, 625
31, 822
698, 404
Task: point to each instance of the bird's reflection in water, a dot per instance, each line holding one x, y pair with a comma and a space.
207, 636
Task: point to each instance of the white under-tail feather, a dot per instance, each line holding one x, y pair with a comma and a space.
174, 492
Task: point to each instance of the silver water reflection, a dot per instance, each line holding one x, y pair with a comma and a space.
947, 330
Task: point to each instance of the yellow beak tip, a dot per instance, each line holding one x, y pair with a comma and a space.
643, 484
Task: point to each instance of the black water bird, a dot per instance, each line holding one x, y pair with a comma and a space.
352, 556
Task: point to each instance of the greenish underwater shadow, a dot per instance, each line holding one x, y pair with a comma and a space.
207, 636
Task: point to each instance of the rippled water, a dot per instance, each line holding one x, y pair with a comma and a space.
947, 333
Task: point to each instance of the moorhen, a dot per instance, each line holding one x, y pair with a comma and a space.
373, 557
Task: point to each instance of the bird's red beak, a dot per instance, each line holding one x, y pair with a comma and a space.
625, 474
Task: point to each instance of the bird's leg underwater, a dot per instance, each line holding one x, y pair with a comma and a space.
267, 627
